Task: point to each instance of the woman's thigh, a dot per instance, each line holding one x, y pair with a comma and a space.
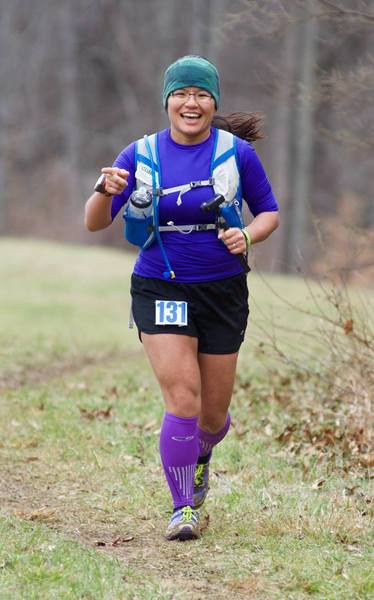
174, 361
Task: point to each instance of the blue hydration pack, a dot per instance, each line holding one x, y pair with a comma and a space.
142, 225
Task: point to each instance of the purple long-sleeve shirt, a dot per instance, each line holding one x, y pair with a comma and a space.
197, 256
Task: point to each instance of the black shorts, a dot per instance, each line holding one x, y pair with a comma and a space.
217, 311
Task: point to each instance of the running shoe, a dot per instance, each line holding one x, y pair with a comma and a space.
201, 484
183, 525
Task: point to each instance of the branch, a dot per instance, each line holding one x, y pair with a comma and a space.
346, 137
345, 12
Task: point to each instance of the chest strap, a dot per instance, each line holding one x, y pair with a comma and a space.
182, 189
186, 228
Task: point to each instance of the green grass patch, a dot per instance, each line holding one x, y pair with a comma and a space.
83, 500
37, 563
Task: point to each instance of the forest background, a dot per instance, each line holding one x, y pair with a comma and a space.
81, 80
83, 502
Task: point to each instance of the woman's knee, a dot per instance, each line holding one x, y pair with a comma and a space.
182, 398
212, 421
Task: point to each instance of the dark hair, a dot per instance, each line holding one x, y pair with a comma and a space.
245, 125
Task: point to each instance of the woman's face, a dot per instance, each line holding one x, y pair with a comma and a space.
190, 112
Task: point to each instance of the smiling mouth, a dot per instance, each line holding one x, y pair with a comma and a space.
190, 117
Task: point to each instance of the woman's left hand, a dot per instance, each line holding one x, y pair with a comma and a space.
234, 240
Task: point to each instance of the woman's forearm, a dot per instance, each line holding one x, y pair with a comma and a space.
97, 213
262, 226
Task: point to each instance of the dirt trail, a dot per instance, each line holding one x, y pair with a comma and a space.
32, 489
137, 542
45, 372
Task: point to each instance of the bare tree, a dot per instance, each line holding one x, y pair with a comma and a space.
301, 149
4, 114
81, 81
69, 78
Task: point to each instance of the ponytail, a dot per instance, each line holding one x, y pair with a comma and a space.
244, 125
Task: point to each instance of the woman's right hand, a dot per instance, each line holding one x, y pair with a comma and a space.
115, 179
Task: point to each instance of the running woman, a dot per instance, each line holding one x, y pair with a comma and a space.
192, 317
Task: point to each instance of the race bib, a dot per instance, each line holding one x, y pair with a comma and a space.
171, 312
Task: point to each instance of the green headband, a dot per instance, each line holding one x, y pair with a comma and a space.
191, 71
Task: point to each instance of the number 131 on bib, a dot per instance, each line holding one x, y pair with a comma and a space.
171, 312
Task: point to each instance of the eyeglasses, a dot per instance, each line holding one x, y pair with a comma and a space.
200, 97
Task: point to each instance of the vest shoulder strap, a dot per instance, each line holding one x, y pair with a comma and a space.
225, 168
224, 148
147, 160
142, 150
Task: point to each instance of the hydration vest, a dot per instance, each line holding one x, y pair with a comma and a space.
142, 226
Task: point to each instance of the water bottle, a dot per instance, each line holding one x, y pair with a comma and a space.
141, 202
138, 217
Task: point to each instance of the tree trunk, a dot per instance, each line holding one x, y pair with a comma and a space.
70, 123
280, 132
5, 106
302, 144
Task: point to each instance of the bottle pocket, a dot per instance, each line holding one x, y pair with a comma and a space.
138, 229
230, 211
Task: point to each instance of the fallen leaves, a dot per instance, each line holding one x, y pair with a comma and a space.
150, 425
348, 326
316, 485
240, 431
250, 586
118, 541
30, 459
204, 523
326, 426
44, 514
287, 433
96, 413
123, 540
367, 460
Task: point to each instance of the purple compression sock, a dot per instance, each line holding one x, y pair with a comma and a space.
179, 449
207, 440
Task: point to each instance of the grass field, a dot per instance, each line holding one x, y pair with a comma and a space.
82, 495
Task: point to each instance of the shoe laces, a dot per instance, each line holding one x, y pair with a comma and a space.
199, 472
187, 513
